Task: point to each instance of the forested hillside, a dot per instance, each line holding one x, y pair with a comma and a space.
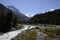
50, 17
7, 20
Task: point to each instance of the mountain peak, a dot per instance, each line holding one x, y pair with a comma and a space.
1, 4
3, 8
15, 11
13, 8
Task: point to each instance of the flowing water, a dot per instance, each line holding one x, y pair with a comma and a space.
9, 35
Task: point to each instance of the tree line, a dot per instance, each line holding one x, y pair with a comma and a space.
50, 17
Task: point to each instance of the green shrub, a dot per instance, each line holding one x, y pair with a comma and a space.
19, 26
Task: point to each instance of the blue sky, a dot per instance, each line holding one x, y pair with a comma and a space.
31, 7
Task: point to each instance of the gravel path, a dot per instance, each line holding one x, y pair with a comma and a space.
39, 35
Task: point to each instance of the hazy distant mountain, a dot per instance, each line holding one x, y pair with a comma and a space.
21, 17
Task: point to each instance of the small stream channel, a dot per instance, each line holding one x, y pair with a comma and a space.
9, 35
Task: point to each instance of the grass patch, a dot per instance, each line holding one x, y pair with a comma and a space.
27, 35
19, 26
51, 32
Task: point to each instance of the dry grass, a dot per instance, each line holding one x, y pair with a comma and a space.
28, 35
51, 32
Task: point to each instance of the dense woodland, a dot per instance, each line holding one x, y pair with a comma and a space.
7, 20
50, 17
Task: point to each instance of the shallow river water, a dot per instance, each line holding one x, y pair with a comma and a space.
9, 35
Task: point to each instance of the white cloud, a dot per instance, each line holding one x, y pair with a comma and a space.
51, 9
48, 10
42, 12
29, 14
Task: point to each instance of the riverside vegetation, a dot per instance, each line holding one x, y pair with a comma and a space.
27, 35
